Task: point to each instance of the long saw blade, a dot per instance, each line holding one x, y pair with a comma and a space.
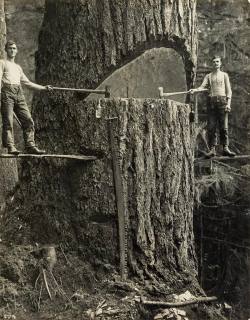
119, 192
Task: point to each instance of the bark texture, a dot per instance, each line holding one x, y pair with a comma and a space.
74, 202
81, 42
88, 40
2, 29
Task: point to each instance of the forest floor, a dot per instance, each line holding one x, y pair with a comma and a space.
34, 287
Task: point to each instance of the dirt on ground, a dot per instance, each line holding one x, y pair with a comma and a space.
47, 282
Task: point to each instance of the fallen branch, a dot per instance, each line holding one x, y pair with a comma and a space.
177, 304
39, 299
46, 284
61, 291
37, 280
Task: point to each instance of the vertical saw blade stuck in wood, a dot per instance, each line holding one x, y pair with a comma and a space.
120, 204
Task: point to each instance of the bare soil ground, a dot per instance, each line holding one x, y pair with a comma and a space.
32, 287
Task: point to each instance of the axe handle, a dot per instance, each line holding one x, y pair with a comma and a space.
106, 92
174, 93
17, 120
167, 94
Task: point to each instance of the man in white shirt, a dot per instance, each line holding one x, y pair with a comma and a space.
220, 94
13, 100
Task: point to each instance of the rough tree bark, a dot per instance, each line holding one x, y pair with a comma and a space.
88, 40
8, 171
2, 28
81, 42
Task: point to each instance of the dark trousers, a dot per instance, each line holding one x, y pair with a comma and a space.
217, 119
13, 100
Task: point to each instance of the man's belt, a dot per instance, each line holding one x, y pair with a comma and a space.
219, 99
11, 87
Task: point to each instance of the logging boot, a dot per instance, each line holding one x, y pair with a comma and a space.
34, 150
227, 152
13, 150
211, 153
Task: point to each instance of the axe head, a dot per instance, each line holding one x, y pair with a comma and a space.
160, 92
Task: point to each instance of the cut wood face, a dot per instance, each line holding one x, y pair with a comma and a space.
159, 67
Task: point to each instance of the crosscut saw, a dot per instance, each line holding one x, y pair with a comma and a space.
120, 204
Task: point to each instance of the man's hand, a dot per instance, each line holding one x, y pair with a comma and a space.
192, 91
49, 88
227, 108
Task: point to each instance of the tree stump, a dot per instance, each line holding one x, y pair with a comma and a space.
80, 44
74, 202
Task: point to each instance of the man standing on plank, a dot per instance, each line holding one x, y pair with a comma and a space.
13, 101
220, 93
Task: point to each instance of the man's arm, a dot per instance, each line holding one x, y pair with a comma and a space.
25, 81
228, 92
204, 86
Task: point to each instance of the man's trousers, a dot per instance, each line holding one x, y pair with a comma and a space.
217, 117
13, 100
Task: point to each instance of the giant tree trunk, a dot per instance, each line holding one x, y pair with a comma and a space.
74, 202
82, 42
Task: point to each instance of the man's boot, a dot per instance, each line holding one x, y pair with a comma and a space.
227, 152
211, 153
34, 150
13, 150
30, 145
